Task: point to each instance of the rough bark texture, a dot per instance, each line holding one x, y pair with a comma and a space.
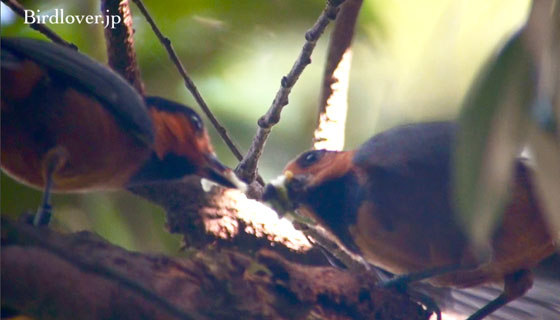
221, 214
120, 43
80, 276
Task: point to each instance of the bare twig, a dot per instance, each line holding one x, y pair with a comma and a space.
329, 243
188, 82
120, 43
333, 102
20, 10
247, 168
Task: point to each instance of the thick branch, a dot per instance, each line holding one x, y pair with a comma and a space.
227, 217
73, 277
247, 168
120, 42
20, 10
333, 102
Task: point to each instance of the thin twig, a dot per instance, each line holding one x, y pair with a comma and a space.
120, 43
247, 168
20, 10
351, 261
188, 82
333, 101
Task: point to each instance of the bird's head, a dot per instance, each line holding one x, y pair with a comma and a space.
304, 174
181, 141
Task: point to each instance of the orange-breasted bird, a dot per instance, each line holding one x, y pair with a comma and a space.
391, 202
70, 124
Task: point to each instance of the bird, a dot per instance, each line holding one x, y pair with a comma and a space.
71, 124
391, 202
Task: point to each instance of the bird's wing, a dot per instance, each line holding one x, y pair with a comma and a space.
421, 144
408, 168
91, 77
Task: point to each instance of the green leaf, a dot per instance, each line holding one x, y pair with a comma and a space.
492, 130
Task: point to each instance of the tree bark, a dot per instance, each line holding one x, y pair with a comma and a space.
80, 276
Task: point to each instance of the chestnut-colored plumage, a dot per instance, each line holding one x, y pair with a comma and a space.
70, 124
391, 202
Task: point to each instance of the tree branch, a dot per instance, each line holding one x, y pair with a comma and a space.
211, 284
188, 81
333, 101
228, 218
54, 244
120, 43
247, 168
46, 31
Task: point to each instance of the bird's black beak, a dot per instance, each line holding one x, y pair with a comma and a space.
215, 171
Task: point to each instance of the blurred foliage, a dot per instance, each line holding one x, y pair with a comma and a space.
413, 61
493, 122
513, 105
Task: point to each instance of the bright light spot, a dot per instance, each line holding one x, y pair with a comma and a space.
448, 316
259, 217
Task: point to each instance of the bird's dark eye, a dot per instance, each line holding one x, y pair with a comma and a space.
309, 158
196, 122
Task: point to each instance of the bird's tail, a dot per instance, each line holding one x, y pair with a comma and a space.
541, 302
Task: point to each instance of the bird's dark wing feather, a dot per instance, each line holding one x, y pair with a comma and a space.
408, 168
421, 145
91, 77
